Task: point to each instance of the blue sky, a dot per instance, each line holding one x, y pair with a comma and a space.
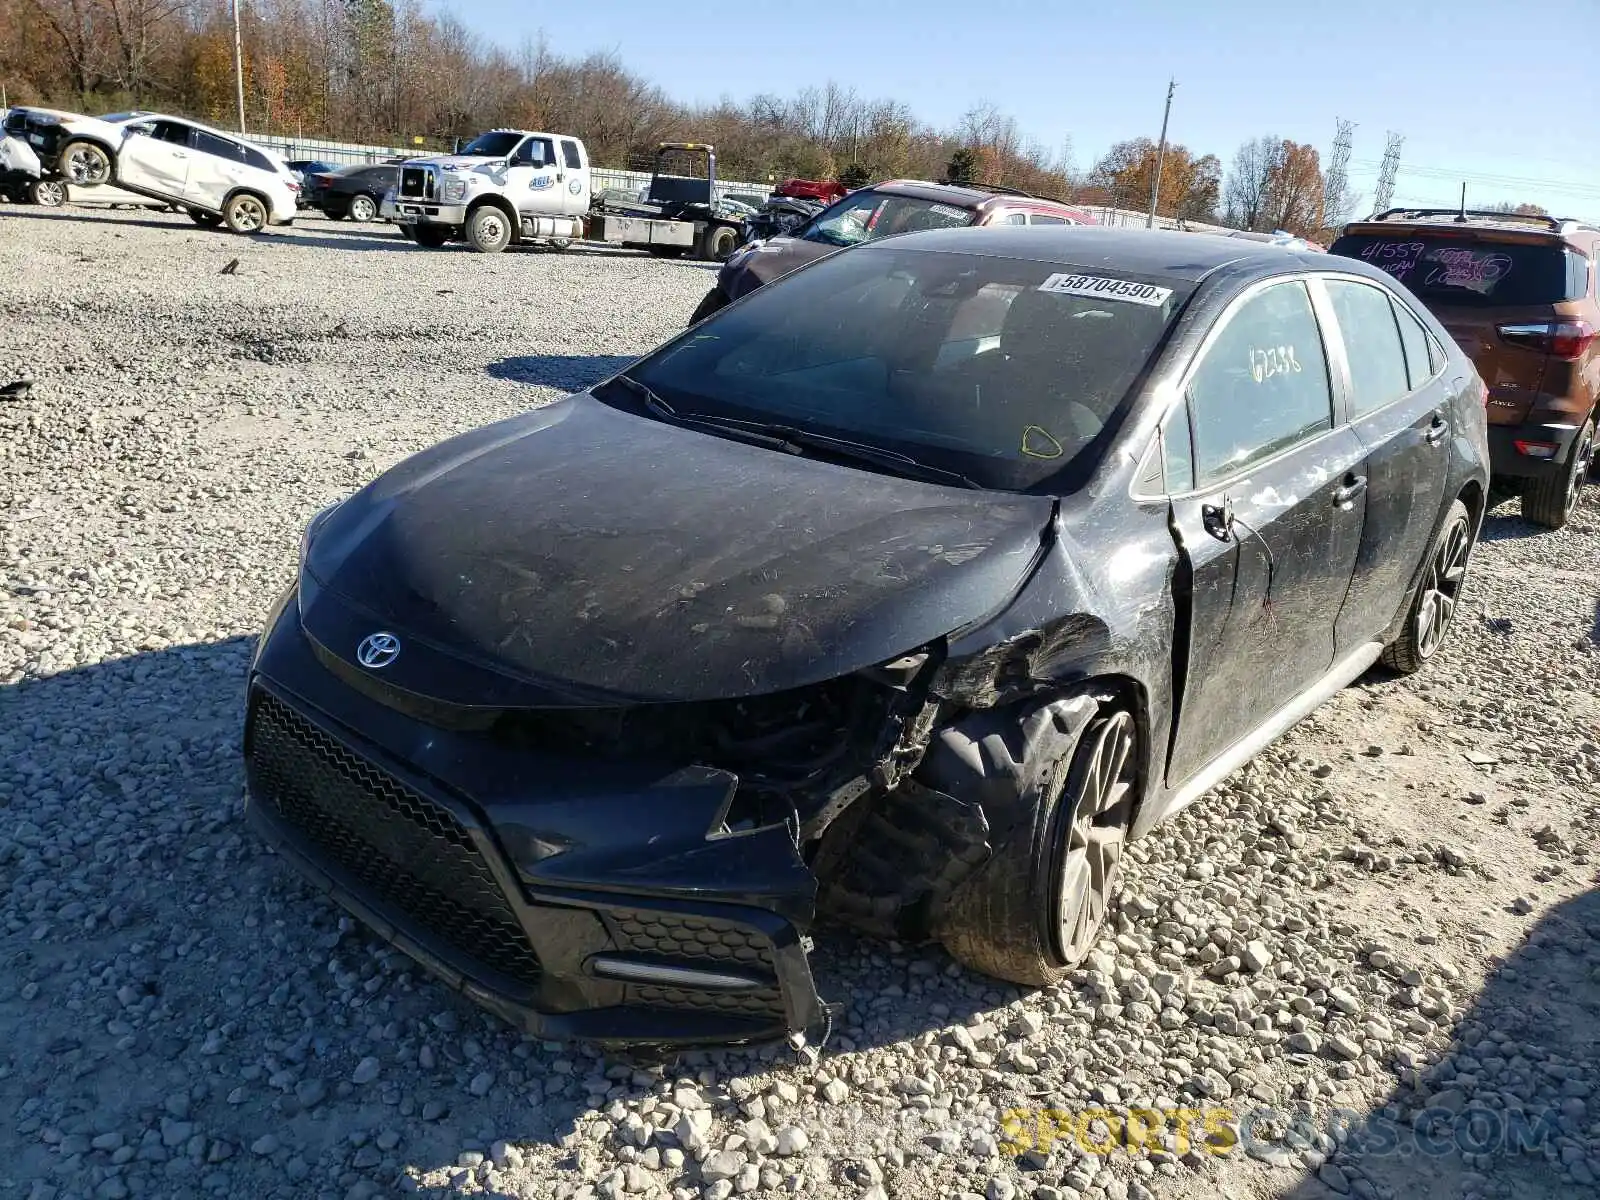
1509, 104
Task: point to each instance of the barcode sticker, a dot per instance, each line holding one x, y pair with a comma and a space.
1105, 288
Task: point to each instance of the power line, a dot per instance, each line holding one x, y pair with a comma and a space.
1492, 179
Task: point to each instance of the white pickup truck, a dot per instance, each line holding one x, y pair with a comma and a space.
508, 185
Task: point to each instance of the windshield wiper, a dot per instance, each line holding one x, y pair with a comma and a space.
743, 431
796, 441
804, 439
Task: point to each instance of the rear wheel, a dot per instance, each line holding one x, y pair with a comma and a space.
488, 229
204, 219
85, 164
1433, 609
1035, 909
50, 193
245, 213
1551, 501
363, 208
430, 237
718, 242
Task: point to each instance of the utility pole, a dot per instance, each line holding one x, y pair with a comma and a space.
1161, 154
238, 63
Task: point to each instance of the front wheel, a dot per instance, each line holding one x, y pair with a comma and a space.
1433, 609
1035, 908
85, 164
363, 208
430, 237
1552, 501
48, 193
488, 230
245, 213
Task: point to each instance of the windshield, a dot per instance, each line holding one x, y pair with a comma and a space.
1470, 271
867, 216
1011, 372
491, 145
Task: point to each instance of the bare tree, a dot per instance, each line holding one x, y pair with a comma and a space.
1248, 189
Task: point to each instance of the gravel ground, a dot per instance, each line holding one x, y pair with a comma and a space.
1392, 912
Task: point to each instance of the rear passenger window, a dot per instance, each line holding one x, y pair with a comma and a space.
1015, 218
1419, 354
1045, 219
258, 160
570, 155
1263, 384
210, 143
1372, 344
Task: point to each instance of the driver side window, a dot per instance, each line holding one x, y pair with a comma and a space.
1263, 384
536, 152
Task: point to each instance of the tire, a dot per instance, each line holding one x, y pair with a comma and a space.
1438, 597
48, 193
665, 251
362, 208
1059, 788
718, 242
85, 164
489, 230
204, 219
245, 213
560, 243
430, 237
407, 232
715, 301
1551, 501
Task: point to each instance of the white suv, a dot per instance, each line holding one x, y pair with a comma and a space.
216, 177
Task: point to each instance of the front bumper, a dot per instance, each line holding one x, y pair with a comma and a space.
424, 212
1509, 460
622, 923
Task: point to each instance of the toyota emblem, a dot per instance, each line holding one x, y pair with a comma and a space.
378, 650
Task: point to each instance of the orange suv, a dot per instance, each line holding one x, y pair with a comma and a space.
1518, 293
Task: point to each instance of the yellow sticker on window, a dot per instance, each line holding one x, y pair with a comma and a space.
1040, 443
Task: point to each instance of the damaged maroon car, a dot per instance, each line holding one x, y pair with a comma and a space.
902, 593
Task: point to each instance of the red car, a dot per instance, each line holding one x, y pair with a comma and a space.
882, 210
812, 189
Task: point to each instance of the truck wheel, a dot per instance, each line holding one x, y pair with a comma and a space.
407, 232
1551, 501
85, 164
431, 237
50, 193
488, 229
719, 242
362, 208
1058, 788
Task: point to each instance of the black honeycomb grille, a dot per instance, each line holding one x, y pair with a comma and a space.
408, 850
699, 941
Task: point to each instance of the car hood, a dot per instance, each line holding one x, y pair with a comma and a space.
772, 258
457, 162
74, 122
596, 556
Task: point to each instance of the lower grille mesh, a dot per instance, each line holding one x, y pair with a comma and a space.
408, 850
709, 942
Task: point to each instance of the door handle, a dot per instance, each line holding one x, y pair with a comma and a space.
1436, 431
1345, 497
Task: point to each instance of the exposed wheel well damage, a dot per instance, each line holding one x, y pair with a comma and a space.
890, 862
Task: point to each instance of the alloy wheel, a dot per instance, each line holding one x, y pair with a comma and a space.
362, 209
249, 215
1581, 454
1100, 802
87, 165
1441, 590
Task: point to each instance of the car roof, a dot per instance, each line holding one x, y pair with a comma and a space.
1189, 257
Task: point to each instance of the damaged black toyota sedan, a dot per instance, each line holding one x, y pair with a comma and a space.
900, 593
